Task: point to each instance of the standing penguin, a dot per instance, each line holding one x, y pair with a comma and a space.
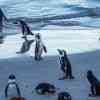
39, 47
25, 28
18, 98
94, 82
12, 88
65, 65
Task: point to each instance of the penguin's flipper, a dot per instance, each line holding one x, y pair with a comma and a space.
6, 90
44, 48
18, 90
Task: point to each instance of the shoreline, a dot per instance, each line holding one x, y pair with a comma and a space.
74, 41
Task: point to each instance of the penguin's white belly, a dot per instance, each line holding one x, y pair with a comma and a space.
40, 49
12, 91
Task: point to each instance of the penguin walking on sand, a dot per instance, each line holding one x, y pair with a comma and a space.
12, 88
65, 65
25, 46
94, 82
25, 28
18, 98
39, 47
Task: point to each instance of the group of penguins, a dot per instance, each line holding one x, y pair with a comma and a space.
12, 89
41, 89
26, 45
45, 88
39, 46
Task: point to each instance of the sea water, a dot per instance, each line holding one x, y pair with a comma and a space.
54, 12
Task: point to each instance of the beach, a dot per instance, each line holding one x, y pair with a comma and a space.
82, 47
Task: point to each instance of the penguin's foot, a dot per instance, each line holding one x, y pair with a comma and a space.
92, 95
71, 77
63, 78
38, 59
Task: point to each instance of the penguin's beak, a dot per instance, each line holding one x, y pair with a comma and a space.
59, 51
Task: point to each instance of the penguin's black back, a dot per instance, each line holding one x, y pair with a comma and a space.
45, 87
64, 96
92, 78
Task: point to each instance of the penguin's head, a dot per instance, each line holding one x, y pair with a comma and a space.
38, 36
11, 78
18, 22
89, 72
21, 21
61, 52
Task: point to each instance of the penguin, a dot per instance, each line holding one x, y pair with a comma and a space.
45, 88
2, 19
94, 82
69, 66
25, 46
17, 98
12, 88
39, 47
64, 96
25, 28
65, 64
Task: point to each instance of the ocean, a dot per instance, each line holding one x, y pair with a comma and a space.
41, 13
